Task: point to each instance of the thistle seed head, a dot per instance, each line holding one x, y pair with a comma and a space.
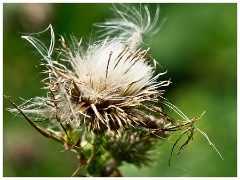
110, 86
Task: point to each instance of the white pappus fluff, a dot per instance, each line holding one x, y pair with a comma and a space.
131, 24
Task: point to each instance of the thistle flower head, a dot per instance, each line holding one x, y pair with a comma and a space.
110, 85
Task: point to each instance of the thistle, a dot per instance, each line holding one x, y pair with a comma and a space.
102, 102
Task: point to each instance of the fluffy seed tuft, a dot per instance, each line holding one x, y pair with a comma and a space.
110, 86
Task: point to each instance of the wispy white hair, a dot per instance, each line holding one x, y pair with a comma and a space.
130, 24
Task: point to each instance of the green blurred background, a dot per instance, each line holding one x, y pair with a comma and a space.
197, 45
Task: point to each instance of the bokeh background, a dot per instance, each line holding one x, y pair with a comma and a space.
197, 44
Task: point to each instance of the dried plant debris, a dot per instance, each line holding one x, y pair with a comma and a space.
103, 101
